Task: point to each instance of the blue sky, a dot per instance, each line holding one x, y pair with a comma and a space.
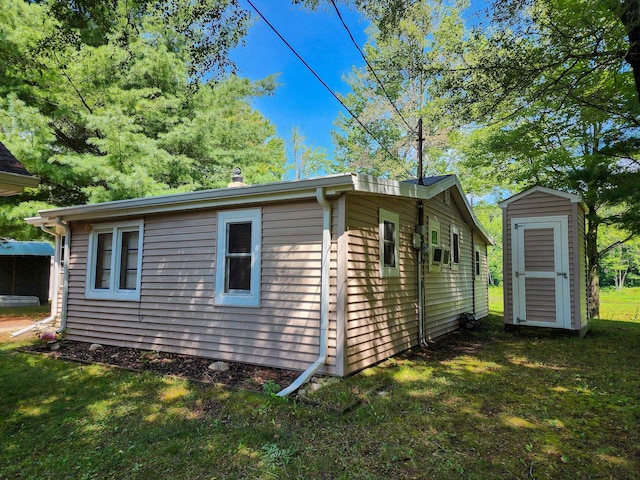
319, 37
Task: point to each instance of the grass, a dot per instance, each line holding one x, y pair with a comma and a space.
37, 313
481, 404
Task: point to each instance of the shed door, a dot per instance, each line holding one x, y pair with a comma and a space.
540, 271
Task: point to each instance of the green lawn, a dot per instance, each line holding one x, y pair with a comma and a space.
480, 404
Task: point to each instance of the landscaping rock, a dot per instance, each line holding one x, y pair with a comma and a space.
219, 366
95, 346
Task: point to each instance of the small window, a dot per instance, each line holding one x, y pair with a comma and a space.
436, 257
114, 261
455, 247
238, 258
389, 231
477, 263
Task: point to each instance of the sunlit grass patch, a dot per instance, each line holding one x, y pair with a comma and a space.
471, 365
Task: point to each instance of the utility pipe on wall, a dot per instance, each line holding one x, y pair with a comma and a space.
65, 273
422, 333
324, 298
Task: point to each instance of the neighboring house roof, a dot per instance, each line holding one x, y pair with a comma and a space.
35, 249
13, 176
572, 197
252, 194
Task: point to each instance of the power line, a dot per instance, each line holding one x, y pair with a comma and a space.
371, 69
364, 127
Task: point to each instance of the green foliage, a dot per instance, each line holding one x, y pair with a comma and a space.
271, 388
308, 161
111, 103
490, 216
391, 111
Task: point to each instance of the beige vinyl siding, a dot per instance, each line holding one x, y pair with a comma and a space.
481, 281
176, 311
448, 292
579, 270
381, 312
537, 204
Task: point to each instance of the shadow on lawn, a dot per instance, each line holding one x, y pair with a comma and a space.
480, 403
84, 421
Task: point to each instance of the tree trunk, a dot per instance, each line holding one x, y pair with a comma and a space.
630, 17
593, 286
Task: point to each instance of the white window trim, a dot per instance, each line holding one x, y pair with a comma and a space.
113, 293
434, 226
391, 217
239, 299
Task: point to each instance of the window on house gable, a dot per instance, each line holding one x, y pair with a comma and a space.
238, 258
455, 247
114, 261
389, 225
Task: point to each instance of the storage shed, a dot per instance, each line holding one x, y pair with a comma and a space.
544, 253
24, 269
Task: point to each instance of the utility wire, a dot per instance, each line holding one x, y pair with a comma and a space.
371, 69
388, 152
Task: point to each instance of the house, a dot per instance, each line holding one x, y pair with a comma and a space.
14, 178
320, 274
24, 272
545, 261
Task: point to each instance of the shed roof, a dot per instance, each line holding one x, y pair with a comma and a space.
13, 176
332, 185
34, 249
572, 197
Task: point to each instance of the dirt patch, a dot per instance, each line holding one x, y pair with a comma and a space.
238, 376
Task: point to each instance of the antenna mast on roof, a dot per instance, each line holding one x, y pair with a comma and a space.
420, 166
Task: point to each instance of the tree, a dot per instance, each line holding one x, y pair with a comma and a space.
490, 216
394, 91
559, 106
621, 262
130, 100
307, 160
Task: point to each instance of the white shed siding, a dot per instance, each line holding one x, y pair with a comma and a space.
381, 312
176, 311
448, 292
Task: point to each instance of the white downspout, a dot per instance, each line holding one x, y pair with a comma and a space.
56, 279
324, 297
65, 274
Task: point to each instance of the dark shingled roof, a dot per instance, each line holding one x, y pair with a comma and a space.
9, 163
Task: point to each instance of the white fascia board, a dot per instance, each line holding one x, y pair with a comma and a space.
13, 183
572, 197
366, 183
237, 196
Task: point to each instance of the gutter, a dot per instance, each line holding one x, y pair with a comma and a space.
324, 298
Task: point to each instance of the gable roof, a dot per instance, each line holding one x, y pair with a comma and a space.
13, 176
332, 185
572, 197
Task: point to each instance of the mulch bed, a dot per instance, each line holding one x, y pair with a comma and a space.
239, 376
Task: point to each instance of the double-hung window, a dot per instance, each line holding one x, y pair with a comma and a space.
389, 233
114, 262
238, 258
